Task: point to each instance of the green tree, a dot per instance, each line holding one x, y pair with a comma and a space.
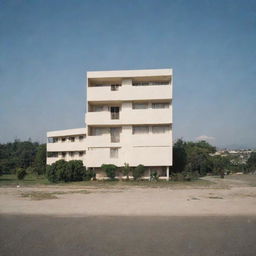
66, 171
17, 154
251, 162
219, 165
179, 156
21, 173
110, 170
138, 171
126, 170
40, 159
75, 171
199, 162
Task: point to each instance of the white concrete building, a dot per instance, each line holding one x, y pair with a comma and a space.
128, 120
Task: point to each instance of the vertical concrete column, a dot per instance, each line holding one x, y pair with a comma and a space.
167, 173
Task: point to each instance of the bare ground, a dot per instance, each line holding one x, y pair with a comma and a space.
233, 196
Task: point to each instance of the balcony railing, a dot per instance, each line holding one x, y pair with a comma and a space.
114, 115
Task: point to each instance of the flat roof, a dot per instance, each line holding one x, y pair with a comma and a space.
68, 132
129, 73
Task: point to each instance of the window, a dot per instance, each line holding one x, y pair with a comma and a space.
54, 140
81, 153
115, 87
63, 139
160, 128
63, 154
52, 154
140, 105
114, 112
71, 139
81, 137
115, 134
140, 129
97, 131
150, 83
71, 154
113, 152
105, 84
96, 108
50, 140
160, 105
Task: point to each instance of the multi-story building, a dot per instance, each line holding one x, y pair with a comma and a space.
128, 120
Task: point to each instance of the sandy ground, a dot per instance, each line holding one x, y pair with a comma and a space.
233, 196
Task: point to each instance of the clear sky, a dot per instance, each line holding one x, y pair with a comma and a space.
47, 46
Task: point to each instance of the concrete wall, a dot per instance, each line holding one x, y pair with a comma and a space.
131, 116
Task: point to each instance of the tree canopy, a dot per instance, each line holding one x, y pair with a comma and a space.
22, 154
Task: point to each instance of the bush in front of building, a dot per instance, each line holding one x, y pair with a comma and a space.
110, 170
126, 170
154, 176
184, 176
138, 172
21, 173
63, 171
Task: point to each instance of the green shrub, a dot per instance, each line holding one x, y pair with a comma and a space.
138, 171
126, 170
184, 176
154, 176
75, 170
66, 171
51, 173
90, 175
21, 173
110, 170
39, 170
30, 170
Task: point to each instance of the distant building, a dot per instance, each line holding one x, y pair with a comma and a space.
128, 120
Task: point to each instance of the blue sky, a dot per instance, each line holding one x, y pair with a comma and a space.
47, 46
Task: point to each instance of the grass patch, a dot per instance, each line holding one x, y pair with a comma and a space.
39, 195
216, 197
33, 180
30, 179
200, 183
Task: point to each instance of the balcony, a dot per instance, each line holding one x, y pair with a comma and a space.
129, 93
130, 116
65, 146
105, 140
151, 140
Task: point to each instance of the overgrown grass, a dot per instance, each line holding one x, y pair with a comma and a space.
30, 179
39, 195
142, 183
33, 180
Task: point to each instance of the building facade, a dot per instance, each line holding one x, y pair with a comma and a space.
128, 120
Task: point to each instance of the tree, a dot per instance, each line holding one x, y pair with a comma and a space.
75, 170
219, 165
21, 173
199, 162
40, 159
138, 171
110, 170
66, 171
126, 170
179, 156
17, 154
251, 162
